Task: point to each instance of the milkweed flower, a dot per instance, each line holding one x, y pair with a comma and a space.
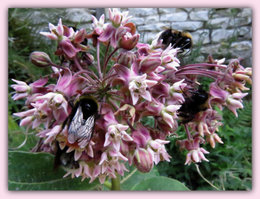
138, 86
131, 83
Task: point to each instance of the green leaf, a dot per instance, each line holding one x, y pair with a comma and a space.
34, 171
17, 136
12, 125
134, 176
160, 183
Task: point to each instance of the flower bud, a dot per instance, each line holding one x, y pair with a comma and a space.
150, 63
143, 160
80, 36
129, 41
40, 59
126, 58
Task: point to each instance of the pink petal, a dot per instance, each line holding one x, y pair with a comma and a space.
168, 119
103, 158
26, 121
147, 95
135, 97
35, 123
188, 159
64, 80
49, 35
102, 179
80, 36
25, 113
122, 127
150, 83
51, 27
107, 34
127, 137
96, 171
195, 156
18, 96
40, 82
173, 108
68, 48
77, 154
107, 140
60, 29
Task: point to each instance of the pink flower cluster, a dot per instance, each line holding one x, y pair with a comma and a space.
131, 81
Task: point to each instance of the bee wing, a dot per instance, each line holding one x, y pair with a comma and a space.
75, 125
85, 130
80, 129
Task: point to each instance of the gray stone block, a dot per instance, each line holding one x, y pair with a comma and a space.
200, 36
219, 35
187, 25
202, 15
177, 16
142, 11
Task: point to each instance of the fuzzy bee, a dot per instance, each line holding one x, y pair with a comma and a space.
64, 159
178, 39
82, 119
192, 105
80, 127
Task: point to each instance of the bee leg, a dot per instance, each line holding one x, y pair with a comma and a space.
187, 44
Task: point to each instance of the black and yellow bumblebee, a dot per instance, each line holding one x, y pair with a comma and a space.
193, 104
178, 39
80, 127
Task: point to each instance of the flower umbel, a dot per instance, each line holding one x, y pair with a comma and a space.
130, 82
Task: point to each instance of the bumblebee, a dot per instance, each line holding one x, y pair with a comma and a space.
80, 125
82, 119
192, 105
62, 158
178, 39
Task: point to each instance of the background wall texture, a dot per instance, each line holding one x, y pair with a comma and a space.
221, 32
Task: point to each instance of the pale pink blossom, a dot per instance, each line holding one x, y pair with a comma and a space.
234, 102
138, 86
117, 18
98, 25
159, 150
196, 156
116, 133
169, 114
56, 32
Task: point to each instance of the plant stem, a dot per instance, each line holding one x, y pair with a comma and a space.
105, 65
187, 132
198, 170
98, 60
115, 183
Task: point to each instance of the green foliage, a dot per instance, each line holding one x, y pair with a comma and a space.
230, 164
21, 42
34, 171
159, 183
134, 177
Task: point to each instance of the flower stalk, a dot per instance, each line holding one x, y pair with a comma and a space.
115, 183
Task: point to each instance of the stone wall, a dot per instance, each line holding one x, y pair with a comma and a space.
221, 32
225, 32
